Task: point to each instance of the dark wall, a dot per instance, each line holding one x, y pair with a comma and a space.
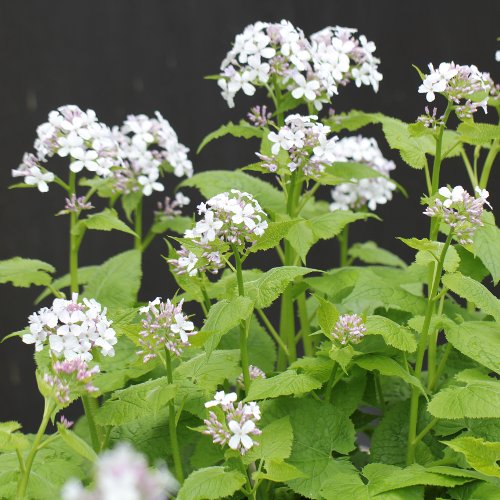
121, 56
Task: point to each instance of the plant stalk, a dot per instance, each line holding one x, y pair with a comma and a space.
138, 226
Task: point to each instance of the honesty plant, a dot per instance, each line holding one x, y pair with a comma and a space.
372, 379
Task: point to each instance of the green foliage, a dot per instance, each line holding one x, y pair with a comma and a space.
136, 401
393, 334
275, 442
286, 383
486, 242
10, 439
275, 232
76, 443
481, 455
243, 129
478, 134
479, 340
478, 398
211, 483
107, 220
25, 272
116, 282
430, 252
370, 253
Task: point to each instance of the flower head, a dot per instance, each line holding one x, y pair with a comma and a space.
362, 193
349, 329
459, 210
72, 329
311, 69
122, 473
164, 326
254, 372
235, 424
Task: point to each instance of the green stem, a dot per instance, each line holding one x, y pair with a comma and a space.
171, 424
73, 239
380, 392
468, 167
304, 325
138, 226
425, 431
272, 330
88, 404
244, 325
432, 353
331, 382
422, 345
344, 246
441, 367
25, 475
488, 163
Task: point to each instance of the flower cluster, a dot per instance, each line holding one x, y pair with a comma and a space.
458, 83
235, 424
73, 133
459, 210
164, 326
233, 218
170, 207
70, 377
349, 329
148, 147
363, 192
310, 69
254, 372
72, 329
307, 144
123, 473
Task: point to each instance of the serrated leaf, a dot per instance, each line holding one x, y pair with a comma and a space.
244, 130
274, 233
25, 272
478, 134
317, 367
286, 383
135, 402
479, 398
107, 220
481, 455
270, 285
393, 334
388, 367
479, 340
278, 472
211, 483
472, 291
76, 443
116, 282
430, 251
327, 316
217, 181
10, 439
210, 371
370, 253
275, 442
348, 393
222, 317
486, 243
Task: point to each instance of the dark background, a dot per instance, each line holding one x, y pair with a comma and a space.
122, 56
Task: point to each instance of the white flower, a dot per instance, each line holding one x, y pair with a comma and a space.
150, 183
181, 326
209, 226
497, 56
305, 88
181, 199
84, 159
253, 409
69, 144
451, 196
240, 434
221, 398
189, 263
431, 84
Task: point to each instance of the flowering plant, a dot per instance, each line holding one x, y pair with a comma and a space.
375, 379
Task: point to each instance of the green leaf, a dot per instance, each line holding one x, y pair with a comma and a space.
84, 274
327, 315
318, 429
481, 455
430, 251
222, 317
269, 286
317, 367
275, 232
25, 272
278, 472
472, 291
76, 443
387, 366
471, 266
10, 439
342, 172
210, 371
211, 483
275, 442
479, 398
116, 282
106, 220
287, 382
130, 202
218, 181
348, 393
393, 334
135, 401
479, 340
478, 134
486, 243
244, 130
370, 253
